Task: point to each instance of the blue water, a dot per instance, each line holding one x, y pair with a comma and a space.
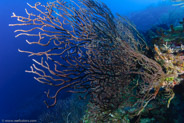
20, 95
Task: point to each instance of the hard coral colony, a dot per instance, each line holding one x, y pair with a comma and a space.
90, 51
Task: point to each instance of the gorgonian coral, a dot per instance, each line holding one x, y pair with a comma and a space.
85, 49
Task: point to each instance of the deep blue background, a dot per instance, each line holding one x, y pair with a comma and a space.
20, 95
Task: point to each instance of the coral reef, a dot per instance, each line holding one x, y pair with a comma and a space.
85, 49
169, 53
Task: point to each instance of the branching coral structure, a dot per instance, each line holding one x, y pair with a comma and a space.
85, 49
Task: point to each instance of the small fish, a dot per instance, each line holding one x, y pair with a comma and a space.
177, 0
179, 3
